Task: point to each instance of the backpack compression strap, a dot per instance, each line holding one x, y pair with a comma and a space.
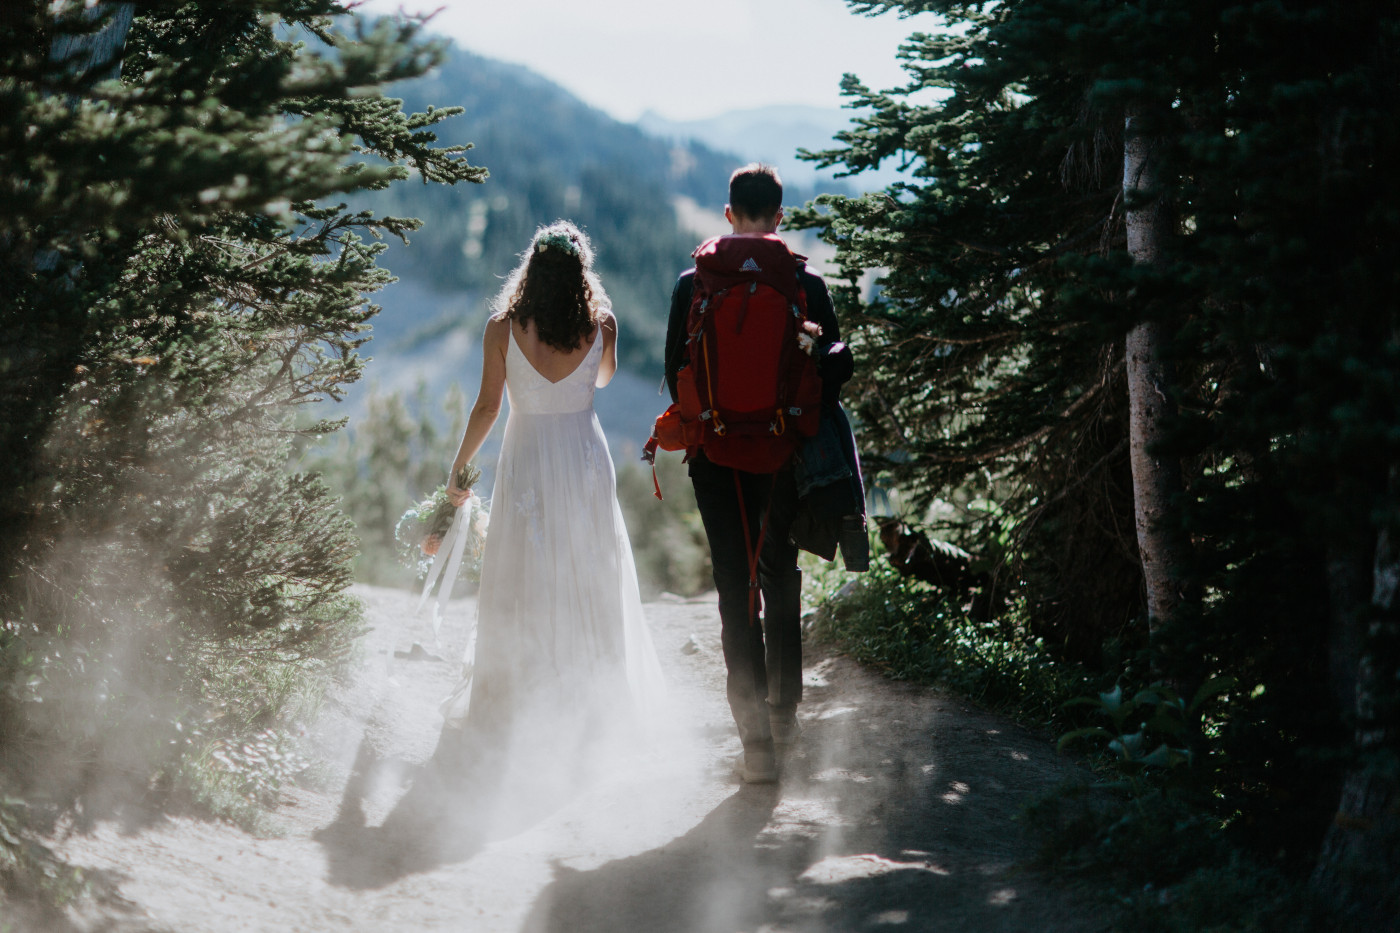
708, 410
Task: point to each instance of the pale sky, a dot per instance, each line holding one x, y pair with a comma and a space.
684, 59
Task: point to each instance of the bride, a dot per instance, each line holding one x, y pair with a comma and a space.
563, 658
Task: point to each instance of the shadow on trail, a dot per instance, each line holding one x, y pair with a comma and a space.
453, 807
895, 813
721, 885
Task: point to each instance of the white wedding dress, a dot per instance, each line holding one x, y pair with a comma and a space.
562, 654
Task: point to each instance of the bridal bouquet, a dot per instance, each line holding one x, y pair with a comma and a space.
422, 530
442, 540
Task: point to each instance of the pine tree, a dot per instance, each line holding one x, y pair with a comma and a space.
998, 364
177, 275
994, 349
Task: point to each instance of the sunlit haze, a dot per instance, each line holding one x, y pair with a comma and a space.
683, 61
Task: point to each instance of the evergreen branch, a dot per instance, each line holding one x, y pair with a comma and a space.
1000, 451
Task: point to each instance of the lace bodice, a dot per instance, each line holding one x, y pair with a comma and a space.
533, 394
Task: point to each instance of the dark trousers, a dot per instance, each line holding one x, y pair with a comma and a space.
764, 660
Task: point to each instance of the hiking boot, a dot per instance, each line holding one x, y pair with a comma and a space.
785, 727
757, 766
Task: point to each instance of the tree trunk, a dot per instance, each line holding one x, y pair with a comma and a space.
1359, 865
1350, 555
1156, 479
96, 55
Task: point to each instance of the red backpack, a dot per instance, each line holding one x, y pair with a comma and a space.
747, 394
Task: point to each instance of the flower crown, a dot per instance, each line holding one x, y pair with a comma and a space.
558, 239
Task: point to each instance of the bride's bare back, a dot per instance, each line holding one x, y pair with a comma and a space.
556, 365
567, 294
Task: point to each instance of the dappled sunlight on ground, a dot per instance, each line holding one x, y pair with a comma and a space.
895, 811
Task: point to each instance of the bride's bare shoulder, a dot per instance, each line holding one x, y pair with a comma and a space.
497, 333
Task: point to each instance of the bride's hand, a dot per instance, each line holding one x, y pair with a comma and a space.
457, 496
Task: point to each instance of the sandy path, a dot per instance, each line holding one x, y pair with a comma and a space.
895, 812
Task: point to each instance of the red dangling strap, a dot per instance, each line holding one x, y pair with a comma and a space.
754, 548
649, 456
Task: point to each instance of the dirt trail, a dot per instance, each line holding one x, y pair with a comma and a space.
895, 812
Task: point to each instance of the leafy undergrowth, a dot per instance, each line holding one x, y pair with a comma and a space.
223, 748
247, 749
911, 631
29, 870
1149, 833
1167, 864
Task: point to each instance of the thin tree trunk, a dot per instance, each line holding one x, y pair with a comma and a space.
1351, 556
96, 55
1359, 865
1156, 479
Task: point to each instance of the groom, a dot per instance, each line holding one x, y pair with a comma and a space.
764, 663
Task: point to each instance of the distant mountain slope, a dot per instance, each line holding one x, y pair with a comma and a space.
645, 202
550, 156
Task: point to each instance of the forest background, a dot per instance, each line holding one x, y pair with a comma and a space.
645, 202
1131, 360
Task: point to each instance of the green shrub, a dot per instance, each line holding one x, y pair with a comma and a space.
913, 631
27, 868
1165, 864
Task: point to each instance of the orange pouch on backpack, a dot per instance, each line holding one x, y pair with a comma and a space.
674, 433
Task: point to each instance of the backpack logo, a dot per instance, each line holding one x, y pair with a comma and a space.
750, 266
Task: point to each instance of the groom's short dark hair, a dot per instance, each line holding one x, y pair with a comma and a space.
755, 191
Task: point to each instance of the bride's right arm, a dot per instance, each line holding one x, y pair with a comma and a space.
608, 334
488, 402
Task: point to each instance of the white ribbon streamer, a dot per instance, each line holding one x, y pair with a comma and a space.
447, 563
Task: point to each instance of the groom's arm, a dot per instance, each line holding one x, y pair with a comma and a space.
675, 328
834, 361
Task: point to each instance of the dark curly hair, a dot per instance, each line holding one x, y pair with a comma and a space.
554, 287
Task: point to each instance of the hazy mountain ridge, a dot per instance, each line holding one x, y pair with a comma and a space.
774, 134
550, 155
